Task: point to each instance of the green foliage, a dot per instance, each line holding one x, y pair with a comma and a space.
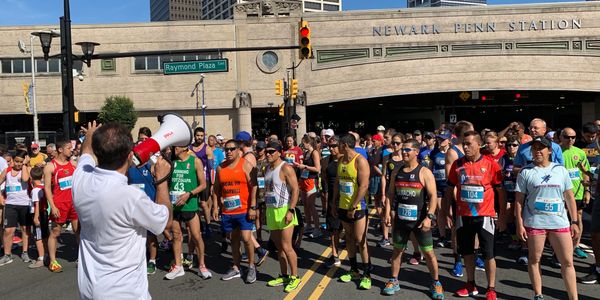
118, 109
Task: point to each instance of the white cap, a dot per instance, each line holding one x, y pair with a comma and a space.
219, 137
329, 132
380, 128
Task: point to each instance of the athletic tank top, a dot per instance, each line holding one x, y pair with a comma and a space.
276, 192
201, 154
348, 184
16, 190
142, 179
62, 181
43, 205
234, 188
410, 197
458, 152
331, 172
309, 161
509, 181
390, 166
183, 180
439, 167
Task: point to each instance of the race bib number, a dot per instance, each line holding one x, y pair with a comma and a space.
174, 196
65, 183
346, 188
471, 193
140, 186
289, 160
261, 182
439, 175
407, 212
13, 188
549, 206
232, 202
509, 186
271, 200
574, 174
304, 174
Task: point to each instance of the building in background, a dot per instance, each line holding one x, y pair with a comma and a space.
440, 3
175, 10
223, 9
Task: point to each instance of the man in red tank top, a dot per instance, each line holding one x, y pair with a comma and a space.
235, 188
58, 179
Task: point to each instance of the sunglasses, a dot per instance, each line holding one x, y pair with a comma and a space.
396, 143
333, 146
270, 151
230, 149
502, 142
513, 145
572, 137
406, 150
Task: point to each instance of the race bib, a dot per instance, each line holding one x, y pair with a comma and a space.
271, 200
439, 175
289, 160
509, 186
549, 206
304, 174
574, 174
346, 188
140, 186
13, 188
471, 193
232, 202
261, 182
407, 212
174, 196
65, 183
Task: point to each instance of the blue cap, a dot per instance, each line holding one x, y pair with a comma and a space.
243, 136
445, 134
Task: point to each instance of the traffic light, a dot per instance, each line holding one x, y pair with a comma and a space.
517, 96
279, 87
484, 98
76, 116
305, 46
281, 110
294, 89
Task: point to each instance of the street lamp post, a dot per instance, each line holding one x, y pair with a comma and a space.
195, 92
203, 105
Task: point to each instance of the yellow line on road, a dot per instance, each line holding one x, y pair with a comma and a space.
309, 273
318, 292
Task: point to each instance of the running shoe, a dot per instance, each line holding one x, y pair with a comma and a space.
441, 242
365, 283
592, 278
293, 284
490, 294
251, 274
204, 272
479, 264
457, 271
391, 287
38, 263
187, 263
415, 259
523, 260
315, 234
538, 297
349, 276
55, 267
25, 257
262, 255
244, 257
17, 240
332, 261
6, 259
279, 281
437, 291
468, 290
231, 274
579, 253
174, 272
151, 268
383, 243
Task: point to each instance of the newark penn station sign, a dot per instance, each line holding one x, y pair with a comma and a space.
512, 26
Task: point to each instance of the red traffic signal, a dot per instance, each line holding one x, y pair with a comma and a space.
304, 40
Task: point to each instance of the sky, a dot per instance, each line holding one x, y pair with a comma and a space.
47, 12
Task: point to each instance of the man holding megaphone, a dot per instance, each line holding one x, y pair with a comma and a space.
115, 216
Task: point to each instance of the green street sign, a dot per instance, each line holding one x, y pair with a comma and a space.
196, 66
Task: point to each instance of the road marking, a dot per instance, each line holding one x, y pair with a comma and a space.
318, 292
309, 273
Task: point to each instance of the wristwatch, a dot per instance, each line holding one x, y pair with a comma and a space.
253, 207
575, 222
292, 210
431, 216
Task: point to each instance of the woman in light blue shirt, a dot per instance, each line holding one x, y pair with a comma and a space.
544, 194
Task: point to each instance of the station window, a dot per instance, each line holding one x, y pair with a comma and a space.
330, 7
312, 5
23, 66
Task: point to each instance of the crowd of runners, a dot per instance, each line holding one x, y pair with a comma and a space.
455, 187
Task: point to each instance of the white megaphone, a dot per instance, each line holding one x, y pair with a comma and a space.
173, 131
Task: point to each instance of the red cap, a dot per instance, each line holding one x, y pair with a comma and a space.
35, 146
377, 137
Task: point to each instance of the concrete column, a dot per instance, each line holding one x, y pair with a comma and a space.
301, 131
244, 112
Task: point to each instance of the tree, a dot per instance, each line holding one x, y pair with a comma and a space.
118, 109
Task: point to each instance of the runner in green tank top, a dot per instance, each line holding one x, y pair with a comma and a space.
187, 181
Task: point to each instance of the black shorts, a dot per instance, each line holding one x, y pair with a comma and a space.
17, 214
333, 223
580, 204
466, 230
183, 216
343, 215
42, 231
401, 235
205, 194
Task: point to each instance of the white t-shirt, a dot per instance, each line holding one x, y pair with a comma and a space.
114, 218
3, 167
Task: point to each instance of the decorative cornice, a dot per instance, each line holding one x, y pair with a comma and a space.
268, 7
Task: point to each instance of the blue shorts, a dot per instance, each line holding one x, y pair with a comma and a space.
375, 185
230, 223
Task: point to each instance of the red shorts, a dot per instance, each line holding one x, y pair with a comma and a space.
308, 185
534, 231
67, 212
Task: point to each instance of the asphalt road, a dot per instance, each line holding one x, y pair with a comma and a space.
19, 282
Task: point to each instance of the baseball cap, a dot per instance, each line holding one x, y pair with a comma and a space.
542, 140
329, 132
261, 145
35, 146
380, 128
429, 134
243, 136
377, 137
445, 134
417, 132
275, 145
550, 135
220, 137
